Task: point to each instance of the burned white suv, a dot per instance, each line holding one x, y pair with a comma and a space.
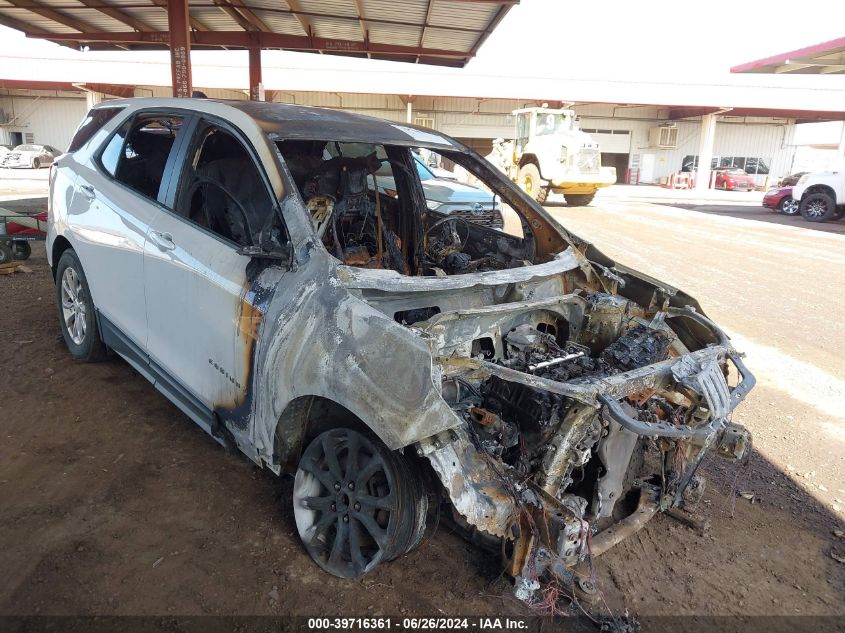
245, 258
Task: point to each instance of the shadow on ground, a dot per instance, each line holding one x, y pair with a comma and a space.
25, 205
760, 214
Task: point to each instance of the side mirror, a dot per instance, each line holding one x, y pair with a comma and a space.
282, 253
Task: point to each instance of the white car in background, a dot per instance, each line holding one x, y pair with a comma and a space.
821, 195
29, 155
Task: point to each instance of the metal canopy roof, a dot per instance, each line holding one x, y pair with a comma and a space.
439, 32
827, 58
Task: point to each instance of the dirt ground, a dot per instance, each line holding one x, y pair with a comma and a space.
113, 503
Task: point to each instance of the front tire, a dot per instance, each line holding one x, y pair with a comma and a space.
818, 207
579, 199
36, 163
356, 503
77, 316
789, 206
530, 182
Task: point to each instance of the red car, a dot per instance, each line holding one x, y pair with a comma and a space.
781, 200
734, 179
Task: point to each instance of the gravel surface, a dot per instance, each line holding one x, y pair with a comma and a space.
113, 502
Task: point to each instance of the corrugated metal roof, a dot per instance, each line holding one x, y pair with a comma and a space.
280, 22
474, 16
440, 32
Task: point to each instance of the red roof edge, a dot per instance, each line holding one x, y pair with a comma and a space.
816, 49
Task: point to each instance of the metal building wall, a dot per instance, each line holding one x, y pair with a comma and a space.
51, 118
770, 139
459, 117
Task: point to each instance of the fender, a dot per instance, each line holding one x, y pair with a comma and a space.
346, 351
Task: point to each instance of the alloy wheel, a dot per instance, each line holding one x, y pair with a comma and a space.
816, 208
73, 305
790, 206
346, 503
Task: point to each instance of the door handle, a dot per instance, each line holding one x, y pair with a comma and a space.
87, 192
163, 241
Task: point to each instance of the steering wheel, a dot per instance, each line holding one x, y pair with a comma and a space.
453, 222
201, 180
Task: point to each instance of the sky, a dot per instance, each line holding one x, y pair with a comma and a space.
694, 42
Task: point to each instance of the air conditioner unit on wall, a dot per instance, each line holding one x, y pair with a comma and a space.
664, 137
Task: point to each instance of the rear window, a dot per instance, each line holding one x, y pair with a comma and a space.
94, 120
27, 148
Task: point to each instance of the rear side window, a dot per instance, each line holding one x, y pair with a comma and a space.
137, 153
94, 120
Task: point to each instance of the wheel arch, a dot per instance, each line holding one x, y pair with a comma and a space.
60, 245
825, 189
303, 419
530, 159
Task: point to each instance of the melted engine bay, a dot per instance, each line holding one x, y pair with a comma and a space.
584, 413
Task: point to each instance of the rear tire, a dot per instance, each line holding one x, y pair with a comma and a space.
6, 253
579, 199
818, 207
21, 250
356, 503
530, 182
77, 314
789, 206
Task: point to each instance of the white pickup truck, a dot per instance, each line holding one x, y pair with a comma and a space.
822, 195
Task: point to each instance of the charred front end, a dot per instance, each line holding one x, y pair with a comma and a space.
582, 416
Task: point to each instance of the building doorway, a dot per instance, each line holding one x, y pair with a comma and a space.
615, 148
617, 160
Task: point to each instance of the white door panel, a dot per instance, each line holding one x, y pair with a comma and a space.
647, 168
110, 224
613, 143
195, 286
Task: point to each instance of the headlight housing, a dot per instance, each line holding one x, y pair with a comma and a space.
433, 205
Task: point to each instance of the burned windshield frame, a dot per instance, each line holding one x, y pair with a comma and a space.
497, 183
539, 240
